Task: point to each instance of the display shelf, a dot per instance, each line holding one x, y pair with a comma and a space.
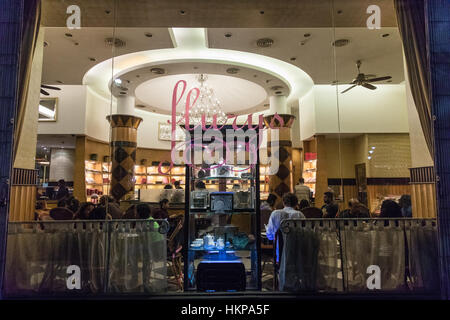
310, 171
232, 217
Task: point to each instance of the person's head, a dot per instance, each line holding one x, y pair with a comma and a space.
164, 204
74, 204
390, 209
328, 197
168, 186
41, 205
98, 213
85, 210
143, 211
61, 183
405, 201
301, 181
352, 202
130, 213
200, 185
271, 199
62, 203
177, 184
290, 200
103, 200
303, 204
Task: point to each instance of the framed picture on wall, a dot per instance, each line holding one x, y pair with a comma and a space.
165, 134
48, 108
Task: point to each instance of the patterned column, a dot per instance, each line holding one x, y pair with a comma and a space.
280, 183
123, 153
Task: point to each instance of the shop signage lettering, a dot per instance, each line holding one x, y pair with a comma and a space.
374, 21
211, 153
374, 280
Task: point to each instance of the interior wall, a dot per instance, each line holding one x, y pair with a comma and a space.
360, 110
26, 149
62, 164
70, 113
307, 116
341, 158
391, 157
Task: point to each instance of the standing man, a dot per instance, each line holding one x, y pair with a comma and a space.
330, 208
62, 190
301, 191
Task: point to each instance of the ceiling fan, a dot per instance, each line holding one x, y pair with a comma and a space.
44, 86
364, 80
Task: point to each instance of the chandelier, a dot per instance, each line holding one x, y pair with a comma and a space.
207, 104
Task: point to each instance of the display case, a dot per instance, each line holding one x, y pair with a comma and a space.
222, 228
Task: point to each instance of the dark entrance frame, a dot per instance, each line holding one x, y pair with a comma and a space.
438, 49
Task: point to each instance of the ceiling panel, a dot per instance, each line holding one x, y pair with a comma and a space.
218, 14
67, 59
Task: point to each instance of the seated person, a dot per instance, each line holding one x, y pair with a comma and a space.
84, 211
161, 212
266, 209
177, 185
288, 212
61, 212
303, 204
99, 213
390, 209
112, 207
73, 204
330, 208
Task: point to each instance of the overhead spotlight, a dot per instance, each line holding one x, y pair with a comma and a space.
232, 70
148, 35
261, 12
228, 35
157, 70
293, 58
92, 59
385, 35
68, 35
182, 12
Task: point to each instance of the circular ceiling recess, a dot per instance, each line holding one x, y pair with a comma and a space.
236, 95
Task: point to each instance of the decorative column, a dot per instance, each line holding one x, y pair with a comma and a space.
280, 182
123, 148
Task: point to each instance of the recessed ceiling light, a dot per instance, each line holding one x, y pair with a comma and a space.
341, 42
195, 68
148, 35
307, 35
76, 43
232, 70
228, 35
137, 76
59, 81
261, 12
45, 44
385, 35
264, 42
276, 88
92, 59
278, 92
68, 35
157, 70
339, 11
117, 81
182, 12
293, 58
118, 43
107, 11
123, 92
255, 75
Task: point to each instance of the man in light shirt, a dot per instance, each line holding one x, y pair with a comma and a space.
288, 212
301, 191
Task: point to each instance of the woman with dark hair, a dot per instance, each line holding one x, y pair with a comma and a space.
99, 213
84, 211
390, 209
303, 204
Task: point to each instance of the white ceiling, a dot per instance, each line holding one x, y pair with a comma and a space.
235, 95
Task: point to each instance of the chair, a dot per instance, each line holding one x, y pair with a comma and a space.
312, 212
175, 255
